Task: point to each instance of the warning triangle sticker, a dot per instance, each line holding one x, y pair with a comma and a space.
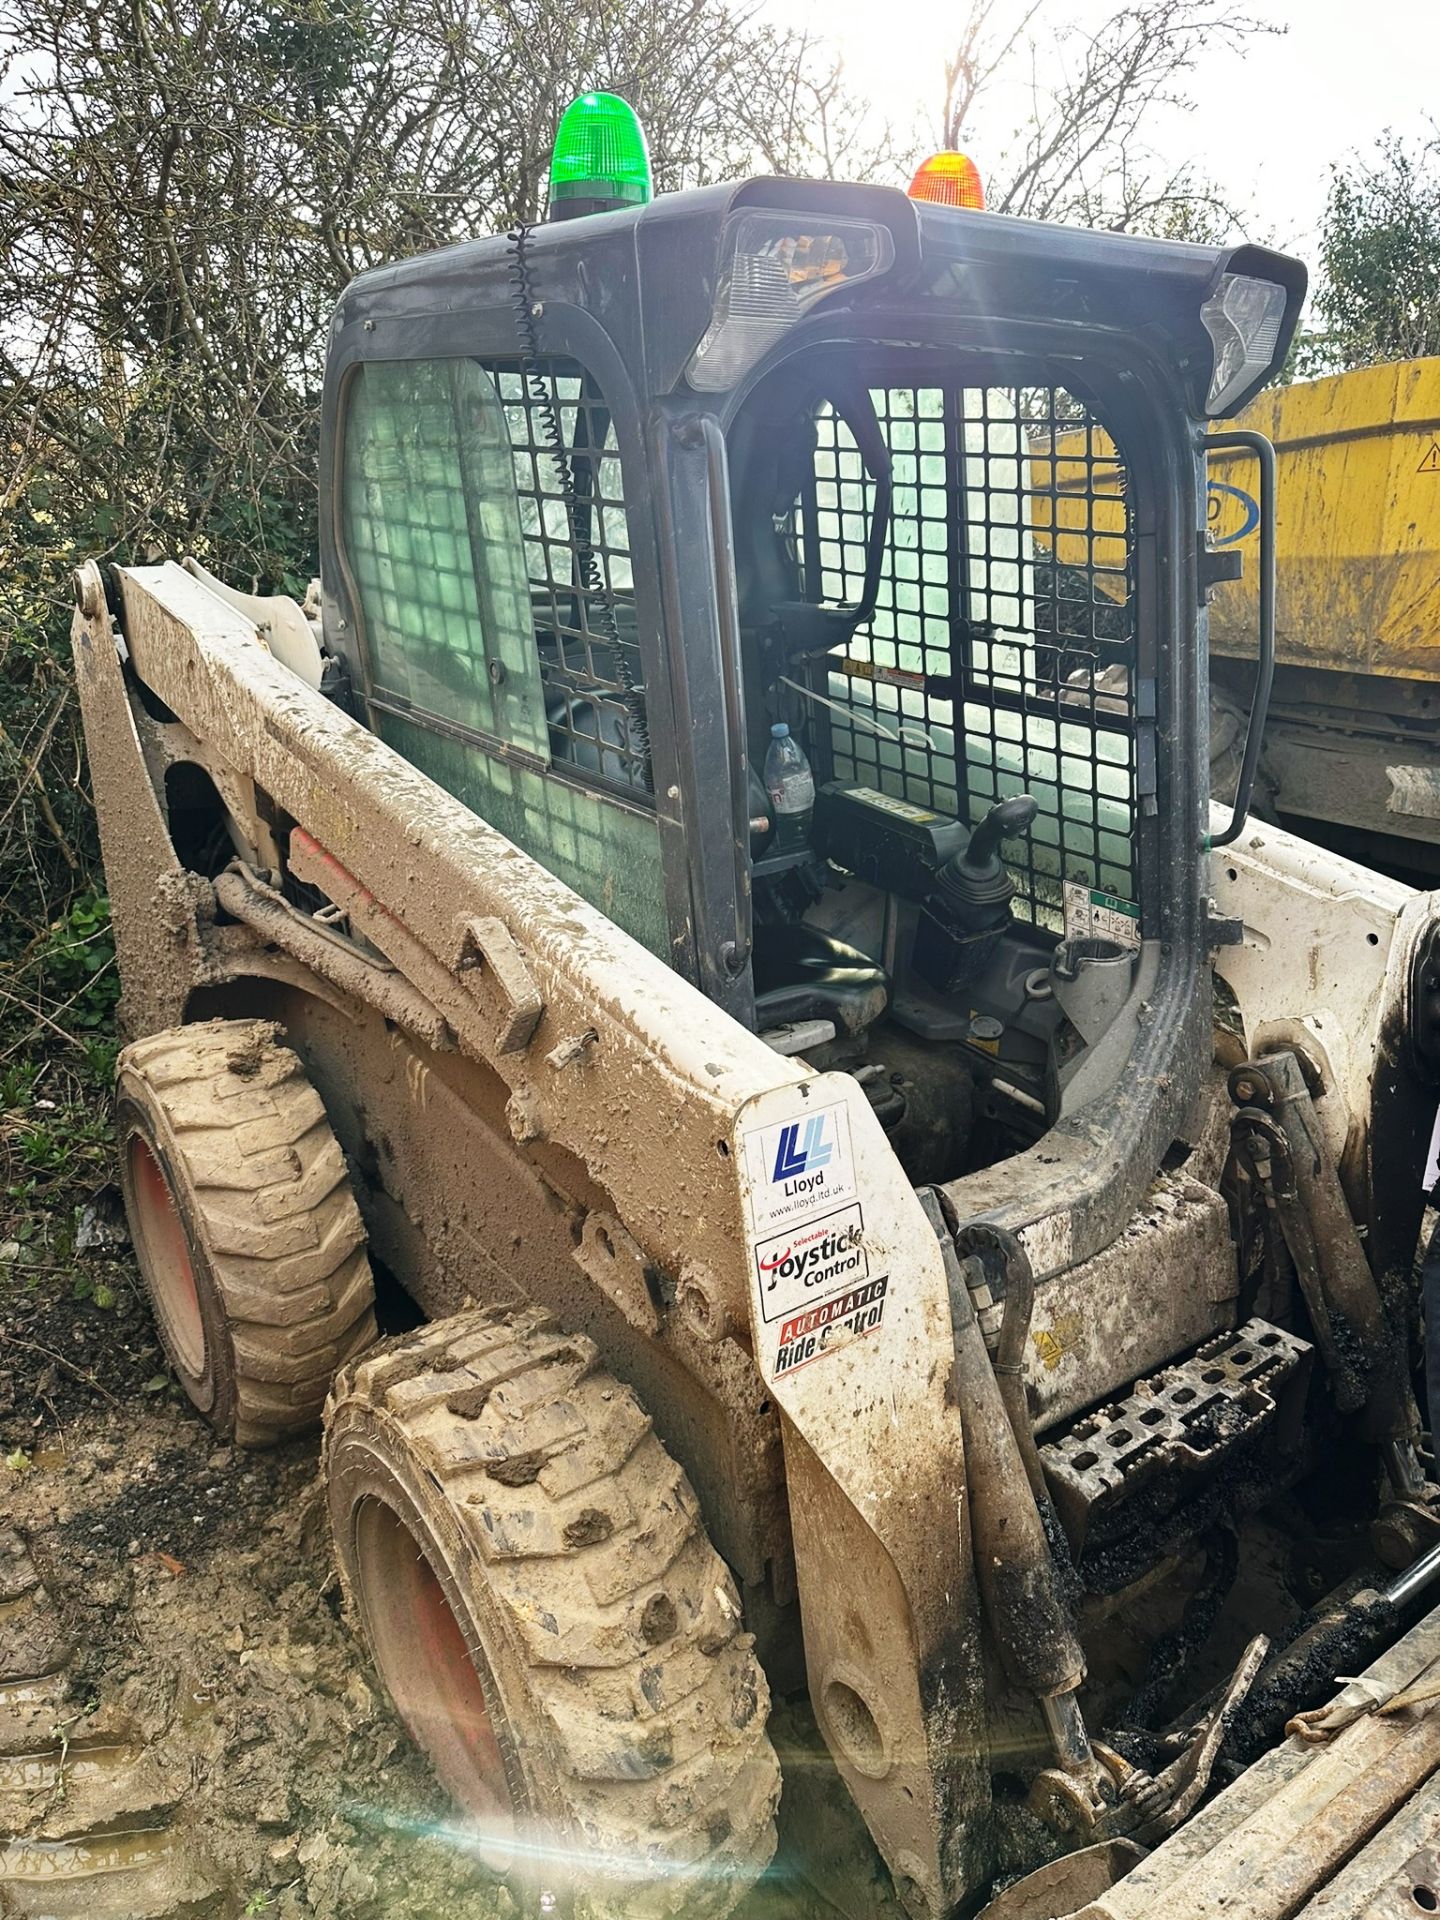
1431, 462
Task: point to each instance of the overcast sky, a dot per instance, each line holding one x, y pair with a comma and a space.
1266, 124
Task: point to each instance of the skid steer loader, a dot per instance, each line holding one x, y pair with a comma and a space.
959, 1267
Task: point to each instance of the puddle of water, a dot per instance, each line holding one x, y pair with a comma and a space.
29, 1693
195, 1704
39, 1772
52, 1860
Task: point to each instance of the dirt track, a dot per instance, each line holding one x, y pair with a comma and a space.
195, 1589
181, 1703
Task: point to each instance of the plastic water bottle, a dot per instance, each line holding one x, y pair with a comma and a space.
791, 789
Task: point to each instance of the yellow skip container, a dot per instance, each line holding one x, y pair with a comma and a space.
1357, 524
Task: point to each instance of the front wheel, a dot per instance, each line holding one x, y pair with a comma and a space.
551, 1622
245, 1228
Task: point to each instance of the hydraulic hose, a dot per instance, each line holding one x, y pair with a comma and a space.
1019, 1584
1351, 1324
1021, 1591
1430, 1297
974, 1241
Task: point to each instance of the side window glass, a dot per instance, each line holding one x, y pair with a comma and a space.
482, 520
432, 534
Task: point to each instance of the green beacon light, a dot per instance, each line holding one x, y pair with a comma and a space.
601, 160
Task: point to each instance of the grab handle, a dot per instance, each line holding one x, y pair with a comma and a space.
736, 951
1264, 453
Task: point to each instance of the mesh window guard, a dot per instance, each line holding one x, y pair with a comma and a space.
578, 561
1003, 639
494, 588
492, 561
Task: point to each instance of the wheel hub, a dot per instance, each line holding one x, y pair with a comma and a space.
428, 1666
164, 1254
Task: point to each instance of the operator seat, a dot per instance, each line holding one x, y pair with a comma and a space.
804, 973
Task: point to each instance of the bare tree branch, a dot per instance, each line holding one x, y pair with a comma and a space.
186, 186
1083, 150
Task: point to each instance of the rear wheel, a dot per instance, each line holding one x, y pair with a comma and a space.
550, 1620
244, 1224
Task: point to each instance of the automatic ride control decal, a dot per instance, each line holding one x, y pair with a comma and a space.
812, 1274
829, 1325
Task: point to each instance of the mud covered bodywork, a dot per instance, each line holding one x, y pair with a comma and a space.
594, 1168
553, 1169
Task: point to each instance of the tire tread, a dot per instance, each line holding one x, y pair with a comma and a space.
625, 1619
283, 1237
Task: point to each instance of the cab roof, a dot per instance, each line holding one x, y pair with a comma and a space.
649, 276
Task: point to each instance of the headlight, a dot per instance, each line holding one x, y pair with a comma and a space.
1243, 319
773, 274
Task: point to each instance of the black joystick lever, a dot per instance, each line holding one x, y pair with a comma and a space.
969, 910
978, 871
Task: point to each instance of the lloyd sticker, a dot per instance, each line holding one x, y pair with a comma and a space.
1092, 914
809, 1263
799, 1169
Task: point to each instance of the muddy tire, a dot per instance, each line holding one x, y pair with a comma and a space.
532, 1576
244, 1225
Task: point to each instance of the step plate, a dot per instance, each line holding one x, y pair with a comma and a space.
1129, 1464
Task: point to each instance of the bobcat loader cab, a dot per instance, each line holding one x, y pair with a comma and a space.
874, 1209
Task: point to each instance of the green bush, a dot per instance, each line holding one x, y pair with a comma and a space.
78, 962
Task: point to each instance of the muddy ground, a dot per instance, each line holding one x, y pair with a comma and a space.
210, 1737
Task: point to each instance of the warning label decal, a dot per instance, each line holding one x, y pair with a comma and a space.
1091, 913
902, 809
